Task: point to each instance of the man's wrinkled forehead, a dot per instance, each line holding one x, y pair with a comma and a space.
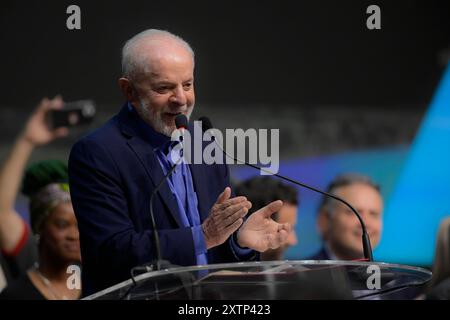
154, 63
162, 48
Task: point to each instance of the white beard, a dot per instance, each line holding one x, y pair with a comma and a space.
154, 119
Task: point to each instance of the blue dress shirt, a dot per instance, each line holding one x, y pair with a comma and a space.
182, 187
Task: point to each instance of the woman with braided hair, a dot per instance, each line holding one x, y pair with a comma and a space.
40, 263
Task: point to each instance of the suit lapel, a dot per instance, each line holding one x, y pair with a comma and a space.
199, 178
149, 161
198, 172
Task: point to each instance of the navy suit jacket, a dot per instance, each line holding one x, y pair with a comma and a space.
113, 171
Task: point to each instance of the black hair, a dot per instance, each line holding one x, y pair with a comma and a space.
262, 190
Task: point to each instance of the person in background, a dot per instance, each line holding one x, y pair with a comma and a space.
37, 269
339, 226
264, 189
439, 287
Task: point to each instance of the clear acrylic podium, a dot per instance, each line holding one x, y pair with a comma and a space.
273, 280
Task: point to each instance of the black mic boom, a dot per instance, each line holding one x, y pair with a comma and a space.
367, 248
181, 123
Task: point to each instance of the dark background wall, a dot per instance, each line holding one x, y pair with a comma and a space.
310, 68
282, 52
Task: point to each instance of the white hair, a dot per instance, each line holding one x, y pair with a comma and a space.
134, 61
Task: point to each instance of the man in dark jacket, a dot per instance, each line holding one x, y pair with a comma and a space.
114, 171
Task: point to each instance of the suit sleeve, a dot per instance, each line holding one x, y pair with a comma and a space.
109, 239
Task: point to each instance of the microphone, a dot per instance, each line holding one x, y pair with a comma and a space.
181, 123
367, 248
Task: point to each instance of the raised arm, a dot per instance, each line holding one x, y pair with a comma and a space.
34, 134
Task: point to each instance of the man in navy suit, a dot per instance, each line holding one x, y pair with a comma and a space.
114, 170
338, 225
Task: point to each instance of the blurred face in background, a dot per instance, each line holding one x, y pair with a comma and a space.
340, 227
287, 214
60, 236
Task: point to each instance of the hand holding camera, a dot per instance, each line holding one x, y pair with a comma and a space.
53, 118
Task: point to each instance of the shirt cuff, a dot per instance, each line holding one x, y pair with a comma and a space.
199, 240
239, 251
